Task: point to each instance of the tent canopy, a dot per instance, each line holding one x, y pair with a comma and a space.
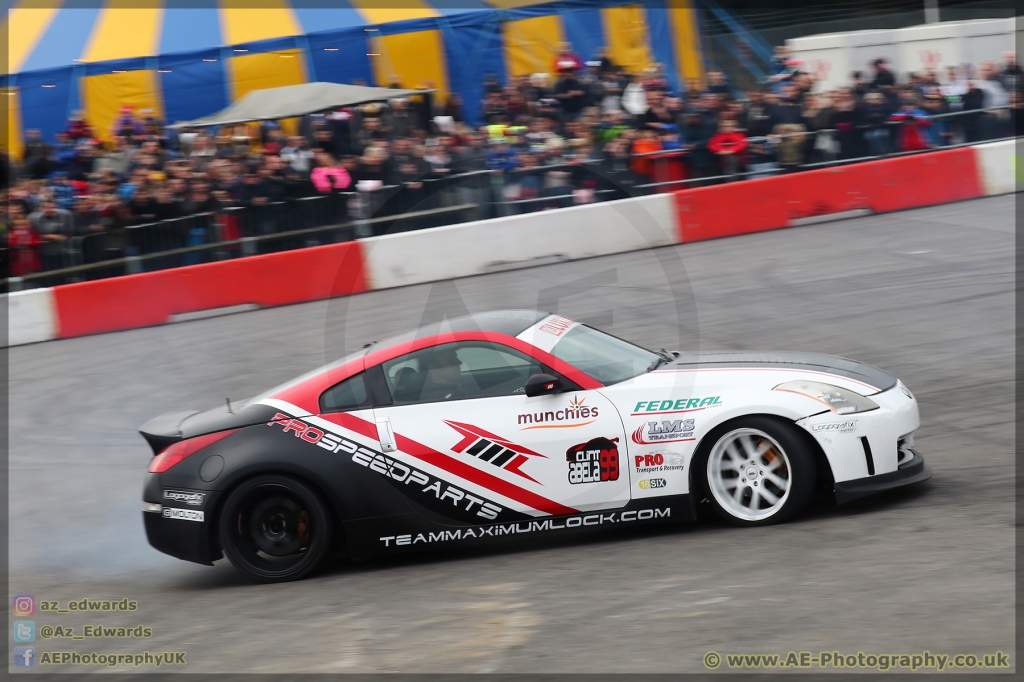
179, 60
295, 100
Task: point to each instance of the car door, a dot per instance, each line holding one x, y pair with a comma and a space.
460, 413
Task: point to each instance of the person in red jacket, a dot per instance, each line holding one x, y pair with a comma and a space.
566, 60
730, 146
912, 119
23, 243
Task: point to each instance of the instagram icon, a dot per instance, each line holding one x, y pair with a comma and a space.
24, 605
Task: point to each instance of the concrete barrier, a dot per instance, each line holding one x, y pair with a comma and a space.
151, 298
519, 241
998, 164
31, 317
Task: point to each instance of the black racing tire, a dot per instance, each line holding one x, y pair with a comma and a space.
756, 471
274, 529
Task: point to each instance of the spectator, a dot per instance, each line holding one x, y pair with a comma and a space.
756, 118
85, 219
816, 116
787, 110
23, 243
847, 119
913, 120
297, 155
884, 77
566, 60
570, 93
875, 115
730, 146
1012, 76
54, 227
36, 158
329, 177
790, 140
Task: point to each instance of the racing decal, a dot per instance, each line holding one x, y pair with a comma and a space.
679, 405
594, 461
428, 490
492, 449
668, 431
652, 483
183, 514
556, 325
658, 461
576, 411
408, 446
442, 491
499, 530
548, 332
848, 426
191, 499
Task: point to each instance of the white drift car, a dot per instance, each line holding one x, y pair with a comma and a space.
517, 423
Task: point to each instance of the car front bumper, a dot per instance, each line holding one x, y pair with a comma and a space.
915, 470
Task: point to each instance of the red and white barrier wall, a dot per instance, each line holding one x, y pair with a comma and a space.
512, 242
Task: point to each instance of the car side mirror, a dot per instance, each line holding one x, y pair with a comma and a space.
542, 384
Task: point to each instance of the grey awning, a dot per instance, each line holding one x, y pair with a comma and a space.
295, 100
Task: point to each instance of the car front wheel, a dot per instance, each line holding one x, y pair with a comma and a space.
275, 529
759, 471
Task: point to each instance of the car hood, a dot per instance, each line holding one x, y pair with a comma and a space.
814, 362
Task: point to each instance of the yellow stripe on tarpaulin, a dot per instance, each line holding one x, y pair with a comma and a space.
531, 44
627, 38
686, 36
125, 29
413, 60
105, 94
23, 26
386, 11
250, 72
246, 21
11, 124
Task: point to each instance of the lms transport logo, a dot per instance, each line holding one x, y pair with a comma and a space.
24, 605
666, 431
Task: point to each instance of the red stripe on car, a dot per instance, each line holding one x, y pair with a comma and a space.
453, 466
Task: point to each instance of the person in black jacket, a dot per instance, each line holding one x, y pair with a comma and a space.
787, 110
876, 112
846, 119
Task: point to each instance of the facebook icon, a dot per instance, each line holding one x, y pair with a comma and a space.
24, 656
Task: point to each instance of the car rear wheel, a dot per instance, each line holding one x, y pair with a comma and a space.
759, 471
275, 529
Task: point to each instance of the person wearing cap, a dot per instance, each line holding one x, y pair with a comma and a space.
443, 375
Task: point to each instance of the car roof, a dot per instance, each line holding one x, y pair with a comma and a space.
510, 322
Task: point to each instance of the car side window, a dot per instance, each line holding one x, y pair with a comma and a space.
457, 371
350, 394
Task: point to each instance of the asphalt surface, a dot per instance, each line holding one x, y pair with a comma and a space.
927, 294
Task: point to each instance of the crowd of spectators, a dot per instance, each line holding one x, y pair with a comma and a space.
536, 135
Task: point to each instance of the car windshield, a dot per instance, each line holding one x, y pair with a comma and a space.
603, 356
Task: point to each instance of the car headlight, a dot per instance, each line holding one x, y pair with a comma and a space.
839, 400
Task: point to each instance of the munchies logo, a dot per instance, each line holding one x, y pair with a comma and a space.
576, 411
